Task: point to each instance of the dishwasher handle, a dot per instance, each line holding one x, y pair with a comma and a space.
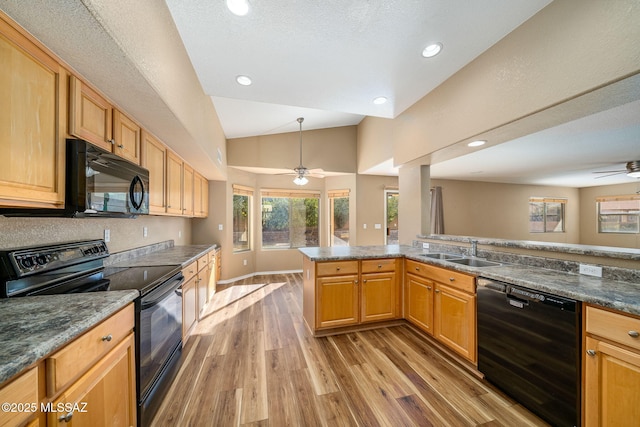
492, 285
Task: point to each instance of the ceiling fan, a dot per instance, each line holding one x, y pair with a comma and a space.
301, 172
632, 169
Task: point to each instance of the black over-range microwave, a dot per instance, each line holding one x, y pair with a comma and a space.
97, 184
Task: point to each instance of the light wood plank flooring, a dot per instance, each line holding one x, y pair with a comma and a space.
252, 362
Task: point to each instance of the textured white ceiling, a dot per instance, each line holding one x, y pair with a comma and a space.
331, 58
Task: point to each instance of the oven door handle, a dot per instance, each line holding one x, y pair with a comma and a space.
169, 289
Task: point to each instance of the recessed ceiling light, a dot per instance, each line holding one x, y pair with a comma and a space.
238, 7
432, 50
476, 143
379, 100
243, 80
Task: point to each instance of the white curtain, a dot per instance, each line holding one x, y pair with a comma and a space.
437, 214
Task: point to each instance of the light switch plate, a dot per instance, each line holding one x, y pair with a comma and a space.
377, 226
107, 235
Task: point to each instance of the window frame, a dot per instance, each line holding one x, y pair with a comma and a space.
331, 196
240, 190
387, 191
621, 198
545, 202
288, 194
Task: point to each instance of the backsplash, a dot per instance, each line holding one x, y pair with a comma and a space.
125, 234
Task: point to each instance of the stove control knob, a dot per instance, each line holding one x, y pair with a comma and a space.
41, 260
26, 263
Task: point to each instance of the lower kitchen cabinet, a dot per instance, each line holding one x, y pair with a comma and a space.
349, 293
21, 390
202, 282
455, 320
611, 369
419, 302
104, 396
189, 300
447, 311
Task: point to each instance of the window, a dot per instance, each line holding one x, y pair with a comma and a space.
546, 215
338, 217
619, 214
289, 219
241, 218
391, 216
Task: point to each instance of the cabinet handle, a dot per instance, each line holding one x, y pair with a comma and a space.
379, 265
428, 288
337, 268
107, 338
356, 282
120, 145
112, 141
633, 334
417, 268
437, 291
452, 279
66, 418
364, 281
591, 352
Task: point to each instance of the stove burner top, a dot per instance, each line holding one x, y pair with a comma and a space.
143, 279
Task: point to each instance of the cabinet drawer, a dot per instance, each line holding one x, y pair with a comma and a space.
613, 326
334, 268
203, 261
75, 358
22, 391
461, 281
378, 265
190, 270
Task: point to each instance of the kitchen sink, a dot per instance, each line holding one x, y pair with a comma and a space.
474, 262
441, 255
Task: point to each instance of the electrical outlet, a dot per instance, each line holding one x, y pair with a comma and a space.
145, 232
364, 226
377, 226
425, 245
107, 235
220, 227
179, 234
244, 262
591, 270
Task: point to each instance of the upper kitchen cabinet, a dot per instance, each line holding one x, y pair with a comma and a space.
174, 183
200, 196
126, 137
90, 115
93, 118
31, 140
154, 158
187, 190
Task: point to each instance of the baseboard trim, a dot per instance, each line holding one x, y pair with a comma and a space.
257, 273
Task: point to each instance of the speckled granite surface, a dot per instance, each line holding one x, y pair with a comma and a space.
606, 251
33, 327
620, 295
176, 255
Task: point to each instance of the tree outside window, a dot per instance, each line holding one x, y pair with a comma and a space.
289, 221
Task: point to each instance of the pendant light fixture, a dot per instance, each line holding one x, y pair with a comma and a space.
301, 179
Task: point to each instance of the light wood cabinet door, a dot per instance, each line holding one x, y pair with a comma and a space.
90, 115
32, 85
200, 196
337, 301
126, 137
187, 190
419, 302
379, 295
455, 320
189, 306
104, 396
612, 385
174, 183
154, 158
22, 390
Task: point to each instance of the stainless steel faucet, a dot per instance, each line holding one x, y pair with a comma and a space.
474, 248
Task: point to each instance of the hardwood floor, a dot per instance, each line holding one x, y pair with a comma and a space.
252, 362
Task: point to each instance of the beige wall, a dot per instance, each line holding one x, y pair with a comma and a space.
588, 225
568, 48
502, 210
370, 208
332, 149
375, 142
125, 233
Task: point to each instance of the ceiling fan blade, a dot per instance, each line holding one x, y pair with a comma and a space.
611, 174
616, 171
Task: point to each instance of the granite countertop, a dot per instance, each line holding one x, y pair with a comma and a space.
623, 296
34, 327
175, 255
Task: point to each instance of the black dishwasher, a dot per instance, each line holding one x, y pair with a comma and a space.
529, 346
